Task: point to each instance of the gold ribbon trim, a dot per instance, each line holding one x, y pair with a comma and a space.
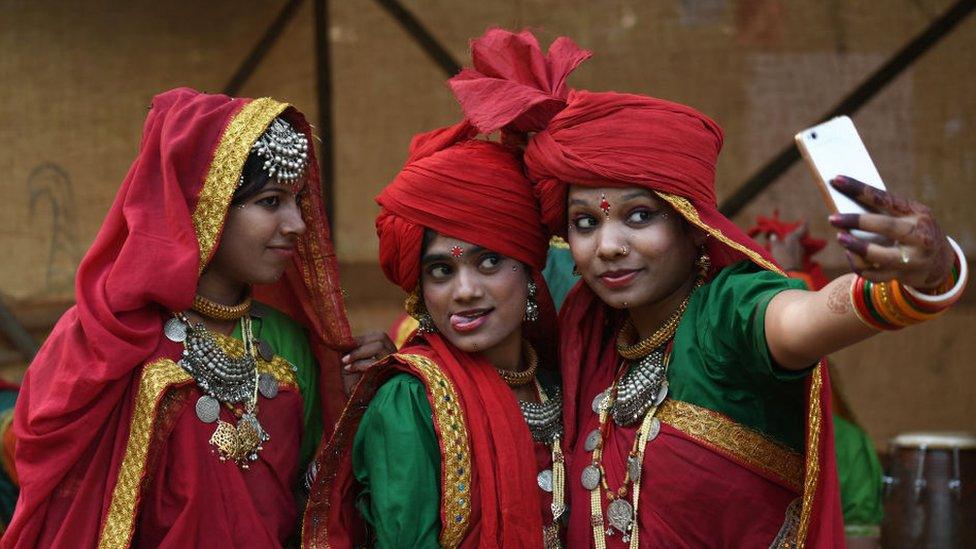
814, 426
225, 170
155, 379
455, 450
738, 441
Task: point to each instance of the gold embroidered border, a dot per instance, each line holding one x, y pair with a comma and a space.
155, 379
455, 450
225, 170
739, 441
689, 212
814, 426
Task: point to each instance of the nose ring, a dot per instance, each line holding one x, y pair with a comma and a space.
624, 250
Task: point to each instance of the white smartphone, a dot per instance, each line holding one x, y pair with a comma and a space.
834, 148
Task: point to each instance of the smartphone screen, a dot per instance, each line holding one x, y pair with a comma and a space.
835, 148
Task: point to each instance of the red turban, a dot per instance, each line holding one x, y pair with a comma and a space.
462, 188
598, 139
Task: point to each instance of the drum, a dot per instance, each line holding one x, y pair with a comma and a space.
930, 491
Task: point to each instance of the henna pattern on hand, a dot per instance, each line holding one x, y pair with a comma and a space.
838, 301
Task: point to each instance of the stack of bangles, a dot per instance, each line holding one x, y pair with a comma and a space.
892, 306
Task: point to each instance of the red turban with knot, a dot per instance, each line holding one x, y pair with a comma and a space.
598, 139
462, 188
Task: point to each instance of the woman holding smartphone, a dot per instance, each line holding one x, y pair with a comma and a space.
454, 440
696, 411
176, 403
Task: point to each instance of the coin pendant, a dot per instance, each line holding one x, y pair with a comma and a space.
598, 402
208, 409
545, 480
265, 350
175, 330
655, 429
590, 477
662, 393
620, 515
592, 440
268, 385
634, 468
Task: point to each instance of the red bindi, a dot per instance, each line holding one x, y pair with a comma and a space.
457, 251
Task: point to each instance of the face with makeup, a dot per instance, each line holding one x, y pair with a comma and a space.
475, 296
630, 246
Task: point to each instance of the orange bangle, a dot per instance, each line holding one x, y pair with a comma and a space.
905, 307
890, 309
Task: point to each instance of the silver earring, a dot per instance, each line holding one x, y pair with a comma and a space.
531, 306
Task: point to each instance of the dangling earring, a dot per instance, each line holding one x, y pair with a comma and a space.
415, 307
576, 271
704, 264
531, 305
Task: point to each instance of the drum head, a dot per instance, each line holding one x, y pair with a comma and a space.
935, 439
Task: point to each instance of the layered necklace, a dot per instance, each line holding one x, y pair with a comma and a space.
544, 419
231, 381
634, 396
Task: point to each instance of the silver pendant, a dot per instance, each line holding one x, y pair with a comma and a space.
545, 480
620, 515
208, 409
590, 477
655, 429
634, 468
175, 330
662, 393
268, 385
264, 349
599, 401
592, 440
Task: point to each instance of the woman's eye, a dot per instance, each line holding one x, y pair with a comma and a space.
439, 271
489, 262
584, 222
640, 215
271, 201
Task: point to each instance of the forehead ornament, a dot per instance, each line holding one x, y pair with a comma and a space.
457, 252
285, 153
605, 205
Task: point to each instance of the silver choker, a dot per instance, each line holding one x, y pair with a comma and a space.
545, 419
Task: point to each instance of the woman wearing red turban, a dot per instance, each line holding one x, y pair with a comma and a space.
455, 440
696, 413
168, 408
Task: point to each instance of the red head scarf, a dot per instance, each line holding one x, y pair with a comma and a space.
620, 140
78, 399
768, 226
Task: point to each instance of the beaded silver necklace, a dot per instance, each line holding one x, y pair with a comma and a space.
544, 418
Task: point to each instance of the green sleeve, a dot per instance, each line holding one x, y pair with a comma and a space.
860, 476
721, 359
396, 458
289, 341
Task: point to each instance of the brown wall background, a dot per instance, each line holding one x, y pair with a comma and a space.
76, 79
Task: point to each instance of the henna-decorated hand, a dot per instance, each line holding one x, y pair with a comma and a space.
920, 257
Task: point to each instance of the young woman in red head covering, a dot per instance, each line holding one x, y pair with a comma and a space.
696, 411
169, 408
453, 441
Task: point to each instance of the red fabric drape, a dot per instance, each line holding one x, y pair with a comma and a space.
76, 403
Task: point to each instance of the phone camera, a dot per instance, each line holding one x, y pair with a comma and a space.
813, 135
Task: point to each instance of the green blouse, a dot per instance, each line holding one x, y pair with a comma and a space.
396, 458
721, 361
861, 482
289, 341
